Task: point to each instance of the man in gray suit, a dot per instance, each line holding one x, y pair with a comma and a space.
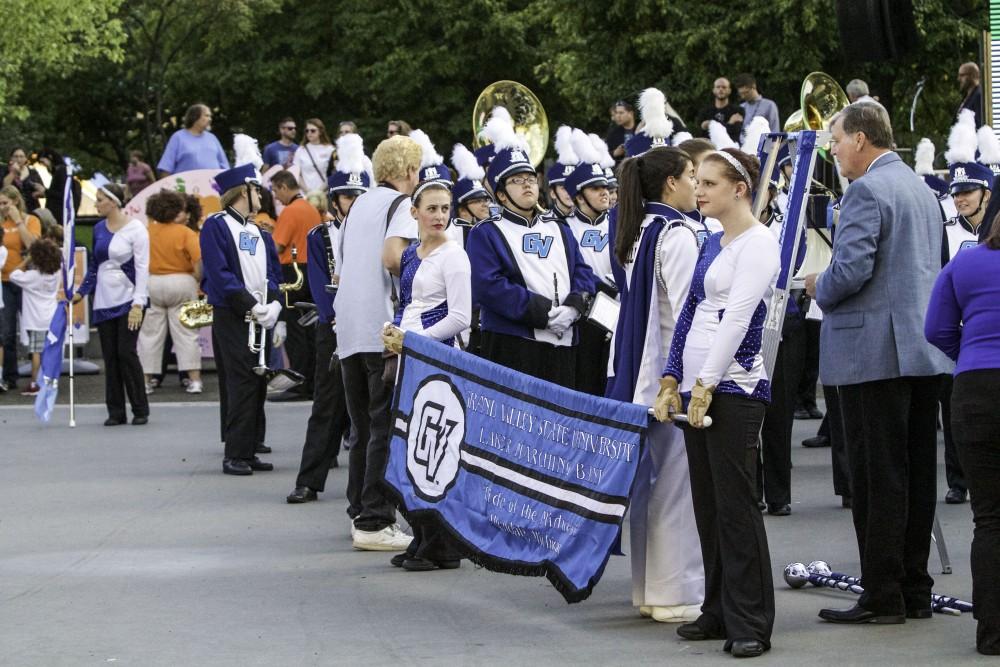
886, 256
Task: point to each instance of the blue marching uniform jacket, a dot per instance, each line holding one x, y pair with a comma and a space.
222, 280
318, 270
507, 304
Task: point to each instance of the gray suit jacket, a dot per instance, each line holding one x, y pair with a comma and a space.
874, 294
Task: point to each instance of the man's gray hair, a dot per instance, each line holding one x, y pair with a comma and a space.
857, 88
870, 118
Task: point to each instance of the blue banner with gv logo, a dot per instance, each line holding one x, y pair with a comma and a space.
528, 477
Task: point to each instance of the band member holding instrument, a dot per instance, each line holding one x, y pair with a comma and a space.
716, 365
329, 422
656, 250
241, 282
435, 300
587, 185
566, 160
529, 278
118, 277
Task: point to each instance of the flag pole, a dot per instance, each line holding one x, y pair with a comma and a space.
72, 397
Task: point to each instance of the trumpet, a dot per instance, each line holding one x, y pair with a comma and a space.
257, 338
299, 280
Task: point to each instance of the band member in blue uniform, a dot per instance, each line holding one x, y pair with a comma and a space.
587, 185
656, 251
716, 366
566, 160
470, 198
528, 275
328, 422
241, 277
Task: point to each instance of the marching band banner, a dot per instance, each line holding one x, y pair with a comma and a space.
530, 478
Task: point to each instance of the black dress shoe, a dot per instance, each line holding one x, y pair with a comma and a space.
761, 505
112, 421
747, 648
414, 564
814, 413
301, 494
816, 441
399, 559
236, 467
140, 421
289, 395
846, 502
802, 413
256, 464
261, 448
919, 614
858, 614
696, 633
956, 496
779, 510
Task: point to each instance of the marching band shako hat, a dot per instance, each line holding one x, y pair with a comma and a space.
351, 177
566, 158
606, 161
589, 172
989, 149
511, 152
231, 178
923, 165
484, 155
432, 167
656, 129
470, 176
966, 173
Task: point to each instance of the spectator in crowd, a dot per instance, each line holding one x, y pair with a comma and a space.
347, 127
55, 194
622, 130
51, 229
722, 110
3, 261
972, 94
139, 174
282, 151
857, 91
398, 127
194, 146
174, 275
313, 157
38, 277
754, 104
963, 321
25, 178
192, 214
20, 231
266, 217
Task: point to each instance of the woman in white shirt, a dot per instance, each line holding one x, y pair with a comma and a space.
716, 367
117, 276
435, 300
313, 156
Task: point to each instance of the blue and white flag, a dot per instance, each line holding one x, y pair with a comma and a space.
52, 353
528, 477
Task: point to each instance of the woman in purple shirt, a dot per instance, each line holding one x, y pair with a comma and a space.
963, 320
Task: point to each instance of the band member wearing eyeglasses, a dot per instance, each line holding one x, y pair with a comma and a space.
241, 276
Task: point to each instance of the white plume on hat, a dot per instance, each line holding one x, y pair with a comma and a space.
989, 146
680, 138
962, 139
429, 157
584, 149
465, 163
719, 136
247, 151
350, 154
499, 130
564, 146
601, 147
758, 127
923, 161
653, 109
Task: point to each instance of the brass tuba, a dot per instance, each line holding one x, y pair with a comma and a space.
195, 314
820, 99
285, 288
530, 121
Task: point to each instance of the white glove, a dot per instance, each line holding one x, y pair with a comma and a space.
259, 311
280, 333
270, 317
561, 318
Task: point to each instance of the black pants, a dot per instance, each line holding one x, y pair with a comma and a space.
432, 543
806, 394
241, 391
300, 344
891, 429
739, 593
976, 427
952, 465
554, 363
833, 428
592, 359
122, 370
774, 471
328, 421
368, 404
8, 329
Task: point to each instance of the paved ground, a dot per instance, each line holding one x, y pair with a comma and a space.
128, 546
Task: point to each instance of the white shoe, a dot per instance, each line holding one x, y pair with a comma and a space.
390, 538
353, 529
194, 387
645, 611
682, 613
149, 389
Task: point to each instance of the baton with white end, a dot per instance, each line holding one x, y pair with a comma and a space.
682, 417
